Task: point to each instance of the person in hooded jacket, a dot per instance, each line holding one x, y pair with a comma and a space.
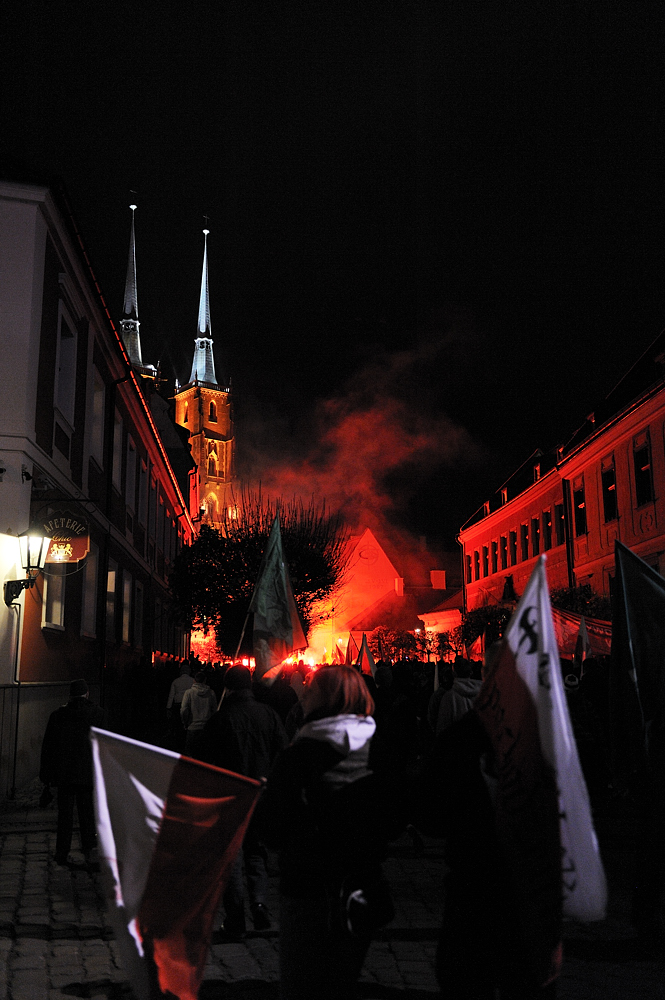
459, 699
199, 703
322, 811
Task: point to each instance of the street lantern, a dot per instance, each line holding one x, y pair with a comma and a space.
34, 549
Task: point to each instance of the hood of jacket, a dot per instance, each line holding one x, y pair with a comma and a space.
346, 733
467, 687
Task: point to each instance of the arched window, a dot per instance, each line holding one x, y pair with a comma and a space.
186, 417
213, 413
212, 466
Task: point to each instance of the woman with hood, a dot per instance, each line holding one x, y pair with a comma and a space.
322, 811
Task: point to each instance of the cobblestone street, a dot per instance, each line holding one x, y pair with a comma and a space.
55, 939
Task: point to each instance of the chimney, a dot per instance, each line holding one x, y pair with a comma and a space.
438, 578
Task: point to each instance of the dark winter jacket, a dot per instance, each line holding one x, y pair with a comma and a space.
321, 808
244, 736
66, 753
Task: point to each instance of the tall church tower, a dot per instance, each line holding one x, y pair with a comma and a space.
129, 324
203, 407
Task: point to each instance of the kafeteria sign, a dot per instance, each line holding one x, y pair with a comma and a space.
69, 532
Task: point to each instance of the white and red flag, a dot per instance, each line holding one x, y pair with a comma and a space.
169, 831
365, 661
542, 812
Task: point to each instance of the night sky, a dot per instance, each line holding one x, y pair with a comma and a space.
437, 226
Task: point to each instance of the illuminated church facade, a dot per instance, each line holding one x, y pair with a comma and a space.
204, 408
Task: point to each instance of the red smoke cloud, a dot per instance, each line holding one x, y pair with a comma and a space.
367, 451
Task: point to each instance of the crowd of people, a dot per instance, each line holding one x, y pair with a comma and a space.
351, 762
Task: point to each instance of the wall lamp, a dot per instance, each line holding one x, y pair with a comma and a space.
34, 549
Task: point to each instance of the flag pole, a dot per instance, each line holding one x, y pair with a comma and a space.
242, 636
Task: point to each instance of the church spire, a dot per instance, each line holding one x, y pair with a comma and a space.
130, 314
203, 366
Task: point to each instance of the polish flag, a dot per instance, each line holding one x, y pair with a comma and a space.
169, 831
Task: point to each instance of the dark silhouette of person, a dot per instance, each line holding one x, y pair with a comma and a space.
66, 761
244, 736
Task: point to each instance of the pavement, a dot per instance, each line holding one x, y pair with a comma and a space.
56, 942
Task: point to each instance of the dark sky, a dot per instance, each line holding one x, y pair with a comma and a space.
460, 211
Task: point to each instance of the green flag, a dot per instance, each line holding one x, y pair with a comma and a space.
637, 677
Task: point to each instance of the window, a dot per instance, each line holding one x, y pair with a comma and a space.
469, 572
160, 525
536, 472
186, 417
126, 604
642, 466
495, 556
117, 451
476, 565
609, 487
65, 382
513, 548
579, 507
547, 530
53, 607
158, 626
138, 615
130, 477
111, 581
559, 524
524, 541
143, 494
504, 495
98, 407
503, 546
152, 512
213, 414
89, 605
486, 567
535, 536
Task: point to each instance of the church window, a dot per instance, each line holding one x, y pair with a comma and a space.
212, 466
186, 417
213, 413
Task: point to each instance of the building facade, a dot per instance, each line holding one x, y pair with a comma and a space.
204, 409
80, 452
572, 503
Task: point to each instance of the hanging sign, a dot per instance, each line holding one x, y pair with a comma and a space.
69, 533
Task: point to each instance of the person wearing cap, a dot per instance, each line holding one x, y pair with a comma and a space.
244, 736
66, 761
